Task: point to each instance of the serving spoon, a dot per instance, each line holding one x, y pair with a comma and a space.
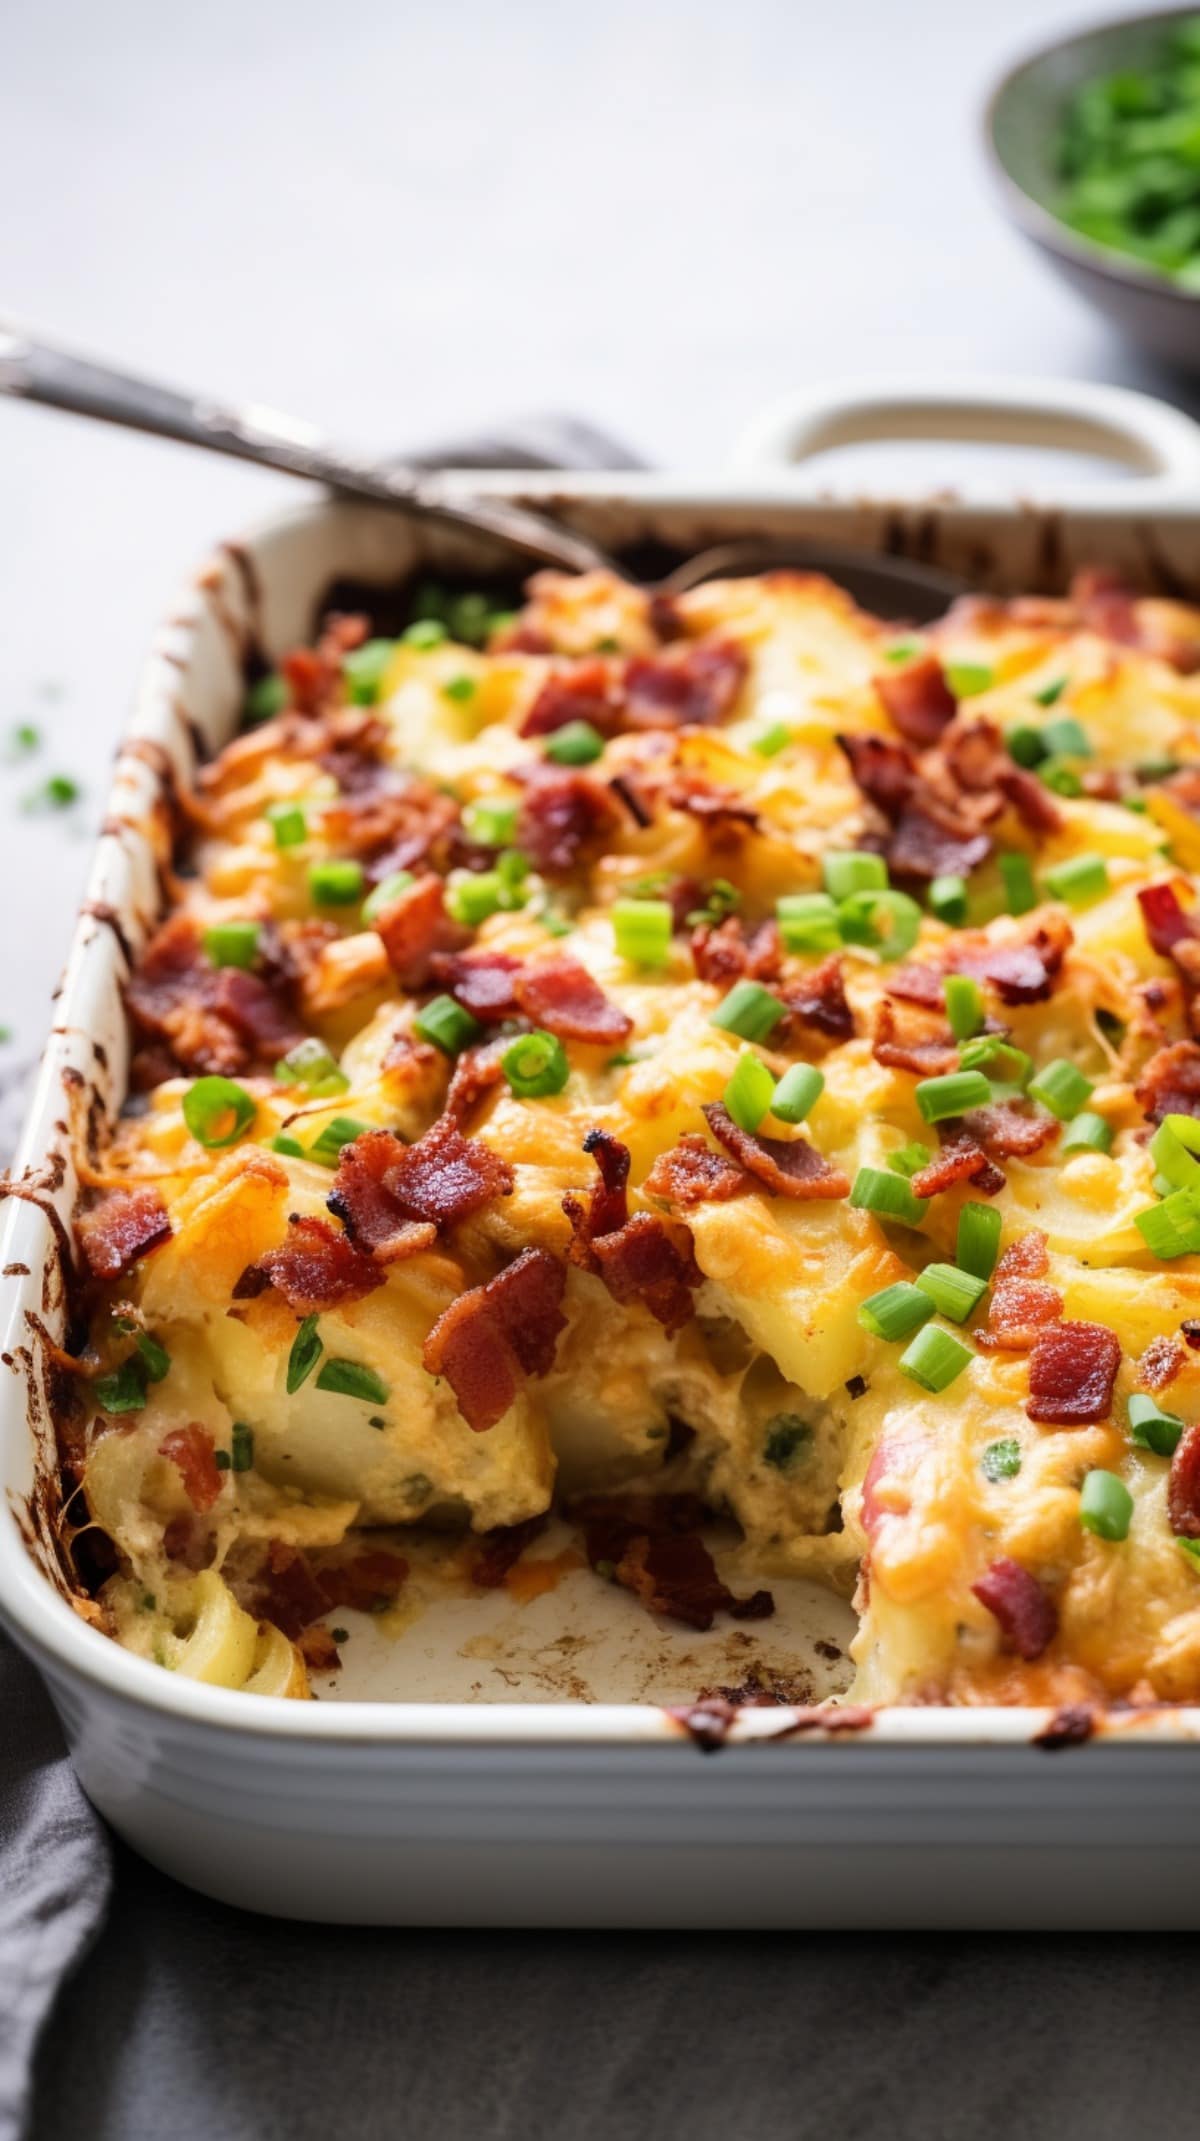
33, 369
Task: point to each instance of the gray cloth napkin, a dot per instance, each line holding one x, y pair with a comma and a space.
55, 1856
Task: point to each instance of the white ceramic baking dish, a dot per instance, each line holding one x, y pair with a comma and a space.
496, 1764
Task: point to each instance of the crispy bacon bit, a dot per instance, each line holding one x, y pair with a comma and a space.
383, 1185
690, 686
564, 814
1032, 801
560, 995
501, 1549
648, 1544
1021, 1305
254, 1010
375, 1219
1183, 1485
917, 699
491, 1337
726, 951
1160, 1363
960, 1160
394, 821
211, 1020
929, 844
647, 1261
126, 1224
1020, 973
1170, 1082
926, 1056
788, 1167
478, 1071
292, 1592
820, 1000
1164, 919
316, 1268
1072, 1369
482, 981
1026, 1613
719, 807
415, 927
608, 1203
917, 984
191, 1450
366, 1581
882, 770
1007, 1130
585, 690
318, 1650
692, 1173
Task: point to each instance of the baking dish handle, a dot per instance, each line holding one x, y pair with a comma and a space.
1159, 444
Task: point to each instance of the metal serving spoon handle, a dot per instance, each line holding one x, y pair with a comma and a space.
34, 370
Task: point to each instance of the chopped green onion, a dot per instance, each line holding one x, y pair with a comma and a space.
1156, 769
1017, 874
1050, 693
1001, 1460
895, 1312
492, 823
265, 699
940, 1098
964, 1006
306, 1352
156, 1361
721, 899
902, 650
535, 1065
341, 1131
385, 894
1082, 879
749, 1092
350, 1379
310, 1064
576, 743
475, 895
217, 1112
876, 1189
772, 740
288, 823
1025, 745
1178, 1167
554, 924
513, 867
290, 1147
1059, 775
808, 922
1105, 1506
124, 1390
967, 678
1087, 1133
460, 689
642, 931
57, 792
797, 1092
470, 618
22, 738
948, 900
1061, 1088
887, 922
242, 1447
233, 943
1191, 1547
1172, 1228
749, 1010
364, 668
335, 883
910, 1159
1186, 1128
1000, 1061
784, 1437
1152, 1428
852, 870
934, 1358
447, 1025
978, 1242
1067, 738
425, 633
953, 1293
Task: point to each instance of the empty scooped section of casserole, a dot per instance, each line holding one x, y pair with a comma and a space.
651, 1060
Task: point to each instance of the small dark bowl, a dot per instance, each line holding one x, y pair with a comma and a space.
1022, 124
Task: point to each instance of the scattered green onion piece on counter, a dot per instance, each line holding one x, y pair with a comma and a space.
934, 1358
853, 870
364, 668
895, 1312
23, 738
288, 823
967, 678
460, 689
885, 922
1066, 738
1152, 1428
341, 1131
290, 1147
124, 1390
1051, 693
1060, 776
642, 931
1087, 1132
447, 1025
1172, 1228
978, 1243
57, 792
750, 1091
797, 1092
1016, 871
953, 1094
217, 1112
1083, 879
490, 822
1061, 1088
576, 743
535, 1065
953, 1293
1105, 1506
1001, 1460
877, 1189
310, 1064
233, 943
902, 650
264, 700
336, 883
1025, 745
910, 1159
964, 1006
427, 632
948, 900
749, 1010
786, 1435
306, 1352
772, 740
350, 1379
241, 1453
385, 894
808, 922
